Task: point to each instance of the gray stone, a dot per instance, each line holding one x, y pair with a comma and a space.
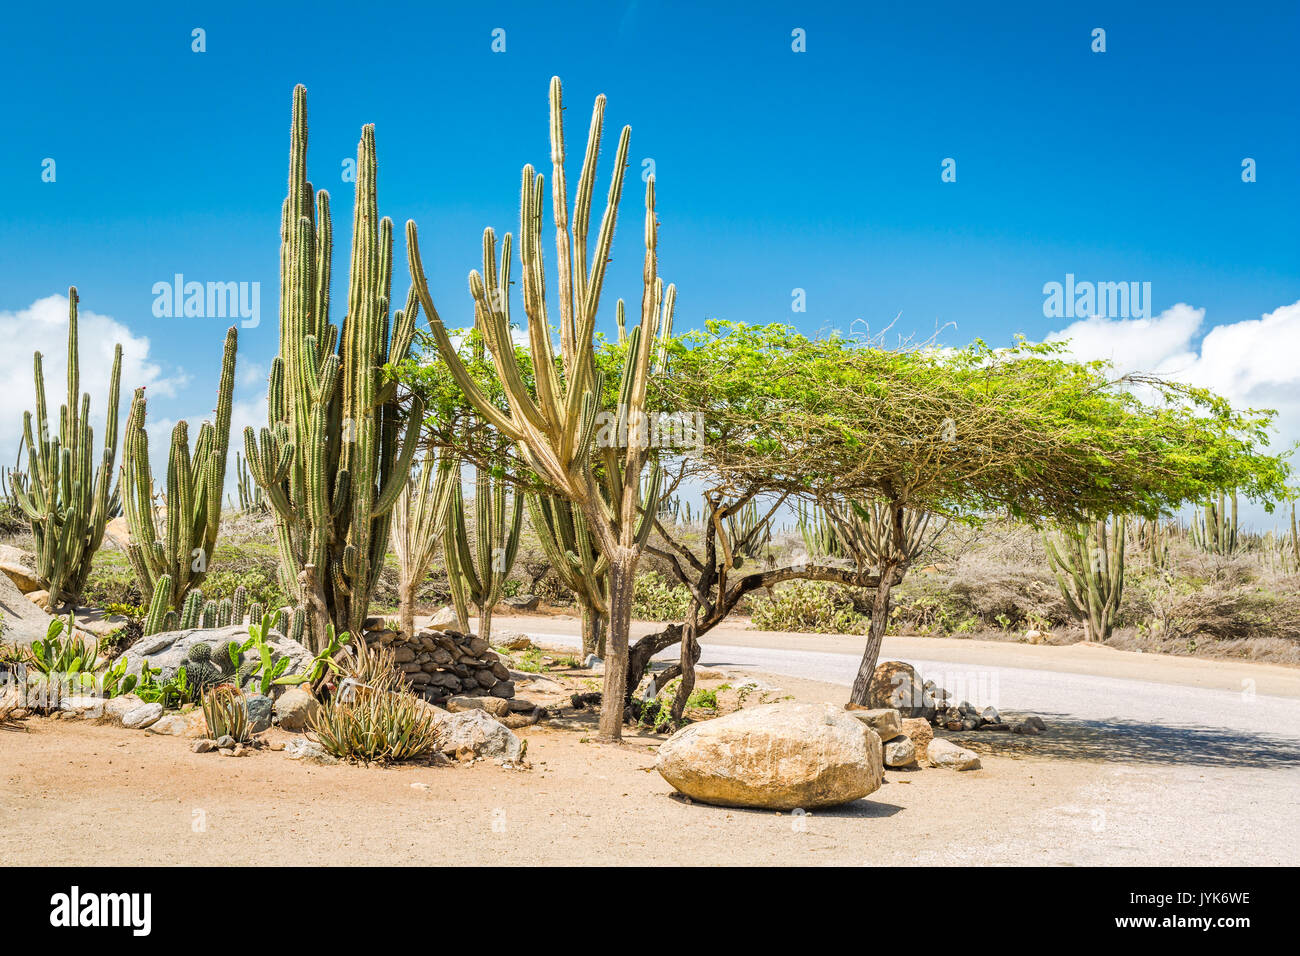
990, 715
308, 751
168, 649
1030, 725
443, 619
259, 712
142, 716
170, 725
522, 602
226, 742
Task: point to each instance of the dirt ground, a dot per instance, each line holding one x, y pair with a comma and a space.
76, 792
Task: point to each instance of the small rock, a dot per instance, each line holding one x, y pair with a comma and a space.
522, 602
140, 717
1031, 725
23, 578
493, 705
40, 598
172, 725
918, 728
480, 734
309, 751
515, 642
444, 619
594, 663
203, 746
990, 715
295, 708
259, 712
885, 721
945, 753
226, 742
899, 752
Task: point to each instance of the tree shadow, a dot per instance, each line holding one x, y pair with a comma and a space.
1134, 742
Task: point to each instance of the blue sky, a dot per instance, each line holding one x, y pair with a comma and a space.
776, 170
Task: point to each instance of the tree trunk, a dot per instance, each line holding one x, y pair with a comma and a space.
622, 570
406, 609
690, 655
875, 637
318, 620
589, 628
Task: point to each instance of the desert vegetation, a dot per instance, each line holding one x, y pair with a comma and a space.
410, 461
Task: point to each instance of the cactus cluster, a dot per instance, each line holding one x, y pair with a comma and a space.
337, 448
1215, 528
208, 665
251, 498
195, 481
1088, 561
477, 573
65, 496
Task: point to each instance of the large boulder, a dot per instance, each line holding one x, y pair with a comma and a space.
897, 685
168, 650
780, 756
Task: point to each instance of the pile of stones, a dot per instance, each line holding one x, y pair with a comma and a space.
443, 664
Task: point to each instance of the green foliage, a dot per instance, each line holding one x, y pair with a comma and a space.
259, 586
1021, 430
807, 607
656, 598
69, 657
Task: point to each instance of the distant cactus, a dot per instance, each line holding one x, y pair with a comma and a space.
476, 575
1215, 529
1088, 561
239, 605
419, 518
251, 498
66, 506
194, 488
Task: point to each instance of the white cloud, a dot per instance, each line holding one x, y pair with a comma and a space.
1252, 363
43, 327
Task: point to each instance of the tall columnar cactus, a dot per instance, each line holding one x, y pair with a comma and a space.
554, 422
195, 482
478, 572
335, 453
1088, 561
64, 496
562, 531
1215, 529
818, 531
156, 619
418, 521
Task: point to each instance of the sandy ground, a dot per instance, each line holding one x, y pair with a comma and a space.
1089, 792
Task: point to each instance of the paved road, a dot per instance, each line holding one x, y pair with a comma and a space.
1194, 764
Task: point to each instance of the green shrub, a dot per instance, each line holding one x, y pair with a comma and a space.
808, 606
260, 585
655, 598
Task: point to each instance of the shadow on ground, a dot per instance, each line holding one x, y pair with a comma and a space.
1135, 742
